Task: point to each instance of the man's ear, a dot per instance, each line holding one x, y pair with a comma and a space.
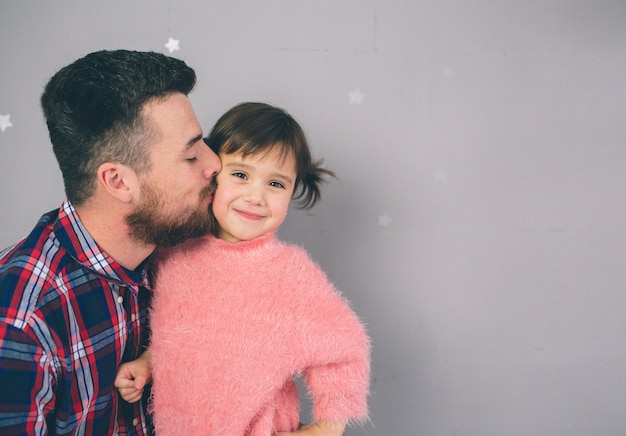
119, 181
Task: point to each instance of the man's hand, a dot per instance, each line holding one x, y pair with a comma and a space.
321, 428
132, 377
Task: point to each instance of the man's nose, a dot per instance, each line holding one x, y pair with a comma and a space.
212, 163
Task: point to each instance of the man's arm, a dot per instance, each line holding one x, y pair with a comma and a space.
27, 379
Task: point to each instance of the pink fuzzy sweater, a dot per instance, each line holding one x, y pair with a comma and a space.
233, 322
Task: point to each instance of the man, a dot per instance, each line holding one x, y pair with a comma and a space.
74, 293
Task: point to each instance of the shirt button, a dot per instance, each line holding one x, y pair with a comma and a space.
135, 422
120, 299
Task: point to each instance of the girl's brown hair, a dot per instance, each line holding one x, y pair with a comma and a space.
251, 128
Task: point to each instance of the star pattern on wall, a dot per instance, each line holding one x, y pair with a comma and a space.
384, 220
5, 122
356, 96
172, 44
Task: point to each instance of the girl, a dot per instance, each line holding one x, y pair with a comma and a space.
236, 314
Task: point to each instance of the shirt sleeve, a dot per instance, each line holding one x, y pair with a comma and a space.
339, 383
338, 376
27, 381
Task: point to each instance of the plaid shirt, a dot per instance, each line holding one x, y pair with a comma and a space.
69, 315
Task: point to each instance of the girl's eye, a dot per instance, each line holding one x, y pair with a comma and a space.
192, 159
277, 185
240, 175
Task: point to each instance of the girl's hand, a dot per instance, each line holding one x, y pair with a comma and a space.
132, 377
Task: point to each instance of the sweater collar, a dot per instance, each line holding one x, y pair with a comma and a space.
261, 241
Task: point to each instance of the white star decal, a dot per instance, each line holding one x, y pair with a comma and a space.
172, 44
5, 122
356, 96
384, 220
441, 176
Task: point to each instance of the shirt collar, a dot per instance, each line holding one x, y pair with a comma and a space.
75, 238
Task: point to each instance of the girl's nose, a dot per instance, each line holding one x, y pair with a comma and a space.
254, 194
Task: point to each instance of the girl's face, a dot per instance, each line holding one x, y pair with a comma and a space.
253, 194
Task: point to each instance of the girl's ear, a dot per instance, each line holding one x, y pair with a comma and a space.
119, 181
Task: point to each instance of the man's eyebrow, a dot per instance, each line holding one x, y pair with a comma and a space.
192, 141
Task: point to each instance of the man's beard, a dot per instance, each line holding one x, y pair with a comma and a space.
148, 225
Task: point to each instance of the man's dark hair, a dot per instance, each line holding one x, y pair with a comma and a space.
93, 111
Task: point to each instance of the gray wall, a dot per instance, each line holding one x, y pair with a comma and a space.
478, 225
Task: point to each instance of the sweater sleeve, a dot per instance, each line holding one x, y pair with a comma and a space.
338, 350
